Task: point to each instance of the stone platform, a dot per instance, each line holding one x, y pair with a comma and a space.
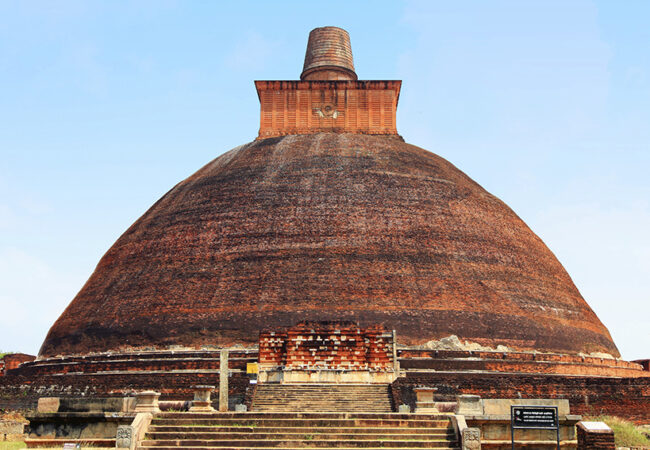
592, 385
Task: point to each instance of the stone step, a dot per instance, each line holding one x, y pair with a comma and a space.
317, 393
292, 436
321, 408
332, 386
284, 431
322, 422
324, 402
58, 442
300, 415
174, 447
302, 430
319, 397
322, 397
299, 408
366, 403
319, 400
300, 443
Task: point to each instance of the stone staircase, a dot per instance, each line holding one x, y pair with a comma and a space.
372, 398
272, 430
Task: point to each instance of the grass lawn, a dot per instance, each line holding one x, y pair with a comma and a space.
12, 445
625, 433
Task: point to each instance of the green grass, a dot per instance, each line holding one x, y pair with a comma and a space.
12, 445
626, 433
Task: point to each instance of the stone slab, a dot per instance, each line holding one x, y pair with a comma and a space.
77, 404
595, 427
48, 404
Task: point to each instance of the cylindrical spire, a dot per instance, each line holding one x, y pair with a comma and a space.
329, 55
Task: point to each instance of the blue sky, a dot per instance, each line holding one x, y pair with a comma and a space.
104, 105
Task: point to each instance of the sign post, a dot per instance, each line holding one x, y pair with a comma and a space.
534, 417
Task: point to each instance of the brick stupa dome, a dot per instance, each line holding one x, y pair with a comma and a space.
328, 215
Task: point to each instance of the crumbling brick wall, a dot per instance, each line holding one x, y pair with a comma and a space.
550, 363
11, 361
327, 345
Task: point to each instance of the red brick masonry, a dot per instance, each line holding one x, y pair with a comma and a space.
174, 372
518, 362
13, 360
327, 345
328, 227
302, 107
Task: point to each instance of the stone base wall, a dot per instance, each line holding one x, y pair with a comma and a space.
22, 393
628, 398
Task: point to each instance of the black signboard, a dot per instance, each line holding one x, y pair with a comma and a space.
534, 417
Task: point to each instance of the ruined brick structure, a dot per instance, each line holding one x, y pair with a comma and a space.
645, 363
330, 216
11, 361
323, 345
308, 349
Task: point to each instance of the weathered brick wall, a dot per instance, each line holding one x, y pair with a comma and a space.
624, 397
519, 356
273, 348
360, 221
170, 372
13, 360
151, 361
547, 363
327, 345
22, 393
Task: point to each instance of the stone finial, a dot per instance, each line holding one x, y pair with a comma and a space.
329, 55
202, 401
